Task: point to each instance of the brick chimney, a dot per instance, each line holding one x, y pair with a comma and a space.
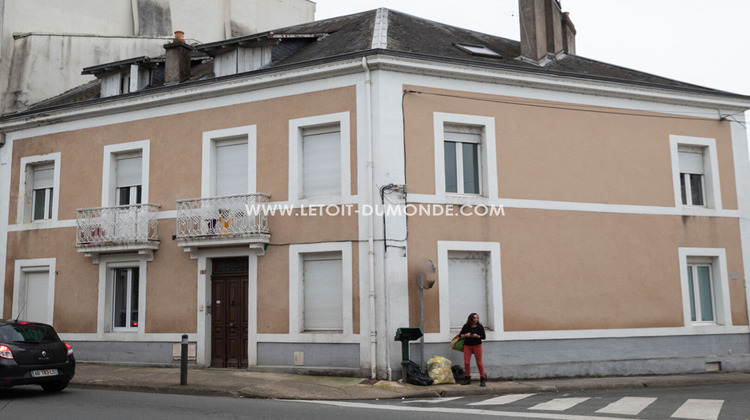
545, 30
177, 65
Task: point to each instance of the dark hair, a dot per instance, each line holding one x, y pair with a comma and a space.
468, 320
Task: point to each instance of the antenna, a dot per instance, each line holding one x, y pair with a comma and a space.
21, 311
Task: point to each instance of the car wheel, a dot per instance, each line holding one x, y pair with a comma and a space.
54, 386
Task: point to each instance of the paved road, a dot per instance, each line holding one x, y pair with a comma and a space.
722, 402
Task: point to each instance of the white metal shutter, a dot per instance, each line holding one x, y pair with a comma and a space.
691, 163
43, 177
323, 291
321, 164
35, 296
231, 169
468, 289
128, 171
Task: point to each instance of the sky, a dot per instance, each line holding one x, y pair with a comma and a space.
704, 42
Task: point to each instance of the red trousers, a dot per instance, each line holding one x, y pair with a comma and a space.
477, 352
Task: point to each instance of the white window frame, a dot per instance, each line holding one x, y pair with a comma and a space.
105, 320
297, 129
494, 325
26, 188
208, 169
109, 168
34, 265
720, 278
296, 297
711, 182
443, 122
112, 291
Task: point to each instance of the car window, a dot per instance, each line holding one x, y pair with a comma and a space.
28, 333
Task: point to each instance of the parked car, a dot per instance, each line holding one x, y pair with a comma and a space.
32, 353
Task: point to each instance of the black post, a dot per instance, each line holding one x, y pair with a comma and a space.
184, 360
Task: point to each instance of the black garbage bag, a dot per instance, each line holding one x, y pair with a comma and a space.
458, 373
415, 376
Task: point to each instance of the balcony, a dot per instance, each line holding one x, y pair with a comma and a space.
131, 228
222, 221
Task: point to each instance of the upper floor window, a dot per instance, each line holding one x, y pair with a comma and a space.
128, 188
695, 172
42, 191
321, 161
462, 159
125, 174
465, 155
229, 162
40, 177
319, 157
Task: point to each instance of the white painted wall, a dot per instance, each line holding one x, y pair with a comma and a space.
83, 33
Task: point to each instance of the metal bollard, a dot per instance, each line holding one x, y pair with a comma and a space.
184, 360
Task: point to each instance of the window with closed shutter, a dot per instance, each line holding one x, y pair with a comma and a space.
231, 168
468, 286
322, 287
321, 162
42, 191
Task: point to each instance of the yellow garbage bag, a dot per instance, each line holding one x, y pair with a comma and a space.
439, 369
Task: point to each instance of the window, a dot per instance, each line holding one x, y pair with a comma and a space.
231, 167
125, 174
480, 50
695, 173
469, 281
319, 157
122, 294
323, 293
40, 179
42, 191
692, 185
229, 162
320, 291
125, 298
462, 151
465, 157
705, 287
321, 161
468, 274
34, 290
701, 292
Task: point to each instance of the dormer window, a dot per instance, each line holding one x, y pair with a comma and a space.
480, 50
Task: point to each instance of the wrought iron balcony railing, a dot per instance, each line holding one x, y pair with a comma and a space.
121, 225
219, 218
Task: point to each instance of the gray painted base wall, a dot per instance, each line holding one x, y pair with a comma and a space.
314, 354
603, 356
123, 352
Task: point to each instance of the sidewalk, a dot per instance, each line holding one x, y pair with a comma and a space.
246, 384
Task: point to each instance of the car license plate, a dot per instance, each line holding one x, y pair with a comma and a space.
46, 372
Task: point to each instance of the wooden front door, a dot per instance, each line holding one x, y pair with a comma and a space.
229, 313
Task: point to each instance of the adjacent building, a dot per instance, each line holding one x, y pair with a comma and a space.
278, 197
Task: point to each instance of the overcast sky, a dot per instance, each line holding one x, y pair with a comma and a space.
704, 42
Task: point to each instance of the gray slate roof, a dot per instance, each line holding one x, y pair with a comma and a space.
402, 35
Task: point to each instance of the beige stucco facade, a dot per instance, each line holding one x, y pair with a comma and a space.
592, 243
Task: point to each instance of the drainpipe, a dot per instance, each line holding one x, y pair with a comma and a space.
371, 225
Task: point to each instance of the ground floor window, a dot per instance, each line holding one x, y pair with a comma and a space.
125, 299
701, 292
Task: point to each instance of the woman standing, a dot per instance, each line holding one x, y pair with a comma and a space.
473, 334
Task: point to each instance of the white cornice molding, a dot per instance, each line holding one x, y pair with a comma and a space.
422, 66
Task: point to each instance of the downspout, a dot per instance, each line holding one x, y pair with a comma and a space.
371, 225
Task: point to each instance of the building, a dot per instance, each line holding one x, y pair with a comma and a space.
44, 44
281, 208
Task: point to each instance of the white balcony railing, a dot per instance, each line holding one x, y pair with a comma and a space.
218, 218
129, 225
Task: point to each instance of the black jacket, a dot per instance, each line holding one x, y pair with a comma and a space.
473, 341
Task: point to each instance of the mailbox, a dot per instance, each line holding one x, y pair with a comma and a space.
404, 335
